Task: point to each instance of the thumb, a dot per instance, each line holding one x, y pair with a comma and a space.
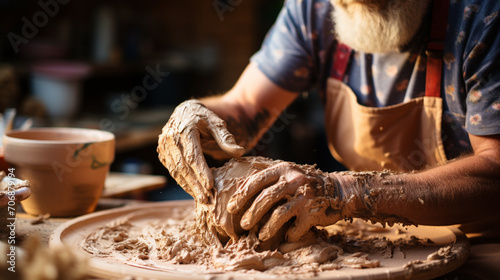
223, 137
230, 146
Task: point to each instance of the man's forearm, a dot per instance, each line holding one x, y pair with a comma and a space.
461, 191
247, 129
251, 106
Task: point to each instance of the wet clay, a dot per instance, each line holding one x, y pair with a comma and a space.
199, 239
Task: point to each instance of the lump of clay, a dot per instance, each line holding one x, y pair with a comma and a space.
213, 218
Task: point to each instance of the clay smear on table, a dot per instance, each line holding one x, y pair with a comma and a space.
186, 237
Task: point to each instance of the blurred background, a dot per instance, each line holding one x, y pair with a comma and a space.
123, 66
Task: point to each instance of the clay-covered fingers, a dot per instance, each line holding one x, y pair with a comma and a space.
198, 173
314, 214
279, 217
265, 201
308, 213
254, 184
187, 169
180, 147
226, 141
193, 156
286, 187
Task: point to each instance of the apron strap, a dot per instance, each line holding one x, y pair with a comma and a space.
434, 52
435, 48
341, 59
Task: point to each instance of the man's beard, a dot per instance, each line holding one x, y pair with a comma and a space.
377, 26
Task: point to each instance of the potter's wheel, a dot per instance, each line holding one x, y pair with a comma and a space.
72, 233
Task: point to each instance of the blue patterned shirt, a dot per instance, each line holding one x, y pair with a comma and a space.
297, 56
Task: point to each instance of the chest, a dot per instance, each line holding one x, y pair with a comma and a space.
389, 79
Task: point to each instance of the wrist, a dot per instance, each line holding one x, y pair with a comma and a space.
356, 193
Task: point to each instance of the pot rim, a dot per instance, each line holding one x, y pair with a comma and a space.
16, 135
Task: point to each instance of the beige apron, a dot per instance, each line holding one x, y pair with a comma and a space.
401, 137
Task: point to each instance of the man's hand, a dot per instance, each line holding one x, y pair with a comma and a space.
180, 147
302, 192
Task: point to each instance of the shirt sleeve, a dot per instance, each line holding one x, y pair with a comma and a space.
289, 53
477, 46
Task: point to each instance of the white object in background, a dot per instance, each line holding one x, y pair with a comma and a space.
58, 86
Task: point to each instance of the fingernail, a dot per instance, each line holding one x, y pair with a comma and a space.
264, 234
245, 224
237, 147
237, 150
232, 207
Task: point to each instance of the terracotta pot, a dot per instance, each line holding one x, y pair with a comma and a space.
66, 167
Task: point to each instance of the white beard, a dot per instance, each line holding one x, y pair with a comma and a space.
377, 26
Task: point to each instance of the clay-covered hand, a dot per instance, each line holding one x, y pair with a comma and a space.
312, 197
181, 146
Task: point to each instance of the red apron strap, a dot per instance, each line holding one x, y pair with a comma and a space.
435, 48
341, 59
